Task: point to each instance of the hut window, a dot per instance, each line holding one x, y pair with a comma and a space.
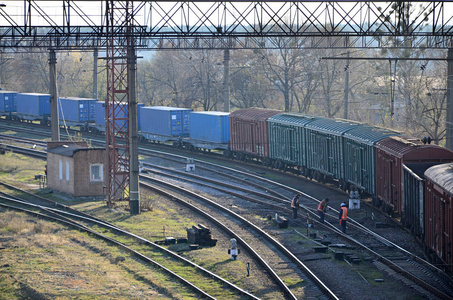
96, 172
67, 171
60, 168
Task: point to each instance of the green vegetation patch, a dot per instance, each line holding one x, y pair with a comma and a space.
19, 168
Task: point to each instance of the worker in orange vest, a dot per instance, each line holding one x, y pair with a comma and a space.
322, 208
343, 216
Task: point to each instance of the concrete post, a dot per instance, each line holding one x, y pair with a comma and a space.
346, 88
95, 74
449, 122
54, 125
226, 79
134, 196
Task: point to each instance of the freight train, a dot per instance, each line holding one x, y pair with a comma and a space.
408, 178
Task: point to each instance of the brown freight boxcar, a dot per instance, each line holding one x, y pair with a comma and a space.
391, 154
439, 214
250, 133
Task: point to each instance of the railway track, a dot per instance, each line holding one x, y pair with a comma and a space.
257, 239
419, 271
213, 286
435, 281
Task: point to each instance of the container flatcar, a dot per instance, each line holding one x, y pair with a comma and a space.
325, 157
161, 123
360, 156
391, 154
209, 130
287, 141
250, 133
33, 107
7, 103
439, 214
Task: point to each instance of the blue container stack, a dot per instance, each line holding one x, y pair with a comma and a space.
99, 117
210, 126
33, 104
8, 101
166, 121
77, 109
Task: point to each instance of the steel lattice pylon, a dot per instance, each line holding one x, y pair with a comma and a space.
117, 116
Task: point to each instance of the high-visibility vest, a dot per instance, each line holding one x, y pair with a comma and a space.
321, 206
344, 215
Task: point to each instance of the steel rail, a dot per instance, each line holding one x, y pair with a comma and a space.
59, 215
112, 241
264, 234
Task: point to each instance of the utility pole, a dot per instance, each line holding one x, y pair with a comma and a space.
54, 125
346, 88
134, 197
95, 73
449, 122
226, 79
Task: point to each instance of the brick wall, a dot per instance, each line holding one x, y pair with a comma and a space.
79, 183
83, 183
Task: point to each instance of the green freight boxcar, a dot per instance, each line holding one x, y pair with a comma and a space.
287, 141
360, 156
325, 148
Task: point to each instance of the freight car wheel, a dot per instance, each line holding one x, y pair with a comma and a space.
376, 202
228, 153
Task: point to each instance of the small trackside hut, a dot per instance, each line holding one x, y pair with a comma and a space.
76, 169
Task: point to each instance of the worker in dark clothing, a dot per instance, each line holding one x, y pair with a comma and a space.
322, 208
343, 217
295, 204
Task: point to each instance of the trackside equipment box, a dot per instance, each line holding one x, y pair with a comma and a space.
37, 105
7, 101
166, 121
77, 109
210, 126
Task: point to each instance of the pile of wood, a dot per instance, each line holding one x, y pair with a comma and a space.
200, 235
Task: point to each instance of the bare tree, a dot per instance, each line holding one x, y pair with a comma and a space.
280, 65
332, 88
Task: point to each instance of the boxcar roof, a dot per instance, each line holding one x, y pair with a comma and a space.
253, 114
442, 175
404, 145
292, 119
369, 135
332, 126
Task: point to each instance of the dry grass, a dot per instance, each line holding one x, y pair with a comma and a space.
41, 260
19, 168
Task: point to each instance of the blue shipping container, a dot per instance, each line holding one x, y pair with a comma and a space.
166, 121
99, 117
7, 101
210, 126
37, 105
77, 109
